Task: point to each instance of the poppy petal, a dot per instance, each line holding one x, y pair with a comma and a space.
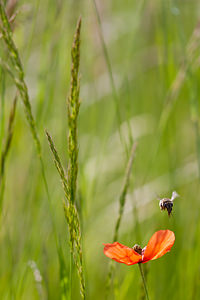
159, 244
122, 254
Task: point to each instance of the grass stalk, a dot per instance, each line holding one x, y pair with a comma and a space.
72, 218
194, 112
110, 73
17, 74
69, 181
22, 91
17, 65
73, 104
190, 63
122, 199
123, 193
143, 280
6, 149
2, 112
191, 60
64, 277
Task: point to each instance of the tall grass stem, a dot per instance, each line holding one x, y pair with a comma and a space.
110, 73
69, 180
5, 150
122, 199
123, 193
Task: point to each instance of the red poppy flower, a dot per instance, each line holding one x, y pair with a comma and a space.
159, 244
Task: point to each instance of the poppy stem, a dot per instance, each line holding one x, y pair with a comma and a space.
143, 279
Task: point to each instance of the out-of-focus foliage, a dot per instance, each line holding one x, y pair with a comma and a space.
153, 48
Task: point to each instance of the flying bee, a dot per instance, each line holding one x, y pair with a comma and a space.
167, 203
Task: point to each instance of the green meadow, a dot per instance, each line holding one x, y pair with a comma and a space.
99, 118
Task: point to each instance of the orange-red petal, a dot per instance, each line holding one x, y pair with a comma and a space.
122, 254
159, 244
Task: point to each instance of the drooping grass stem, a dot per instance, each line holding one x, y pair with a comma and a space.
17, 74
143, 280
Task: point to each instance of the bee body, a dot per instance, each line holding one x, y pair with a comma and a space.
167, 203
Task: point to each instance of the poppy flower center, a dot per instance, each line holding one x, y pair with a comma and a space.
137, 248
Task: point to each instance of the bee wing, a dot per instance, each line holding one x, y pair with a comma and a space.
174, 195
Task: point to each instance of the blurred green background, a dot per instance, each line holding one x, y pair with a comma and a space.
153, 48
